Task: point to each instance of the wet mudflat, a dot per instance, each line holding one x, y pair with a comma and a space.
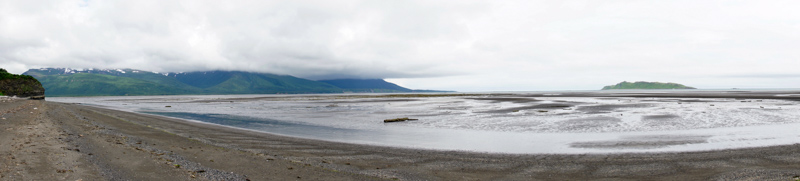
105, 144
519, 123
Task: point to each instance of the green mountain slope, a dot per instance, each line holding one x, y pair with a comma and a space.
366, 85
86, 84
646, 85
130, 73
259, 83
202, 79
112, 82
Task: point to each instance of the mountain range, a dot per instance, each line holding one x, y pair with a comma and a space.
117, 82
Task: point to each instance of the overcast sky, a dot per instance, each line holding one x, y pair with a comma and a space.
447, 45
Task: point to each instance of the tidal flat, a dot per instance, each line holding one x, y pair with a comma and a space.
516, 123
648, 135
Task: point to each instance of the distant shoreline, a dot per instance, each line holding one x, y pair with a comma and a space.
775, 90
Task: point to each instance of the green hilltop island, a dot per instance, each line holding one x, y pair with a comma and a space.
646, 85
20, 85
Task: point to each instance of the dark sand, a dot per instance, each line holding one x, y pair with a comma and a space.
57, 141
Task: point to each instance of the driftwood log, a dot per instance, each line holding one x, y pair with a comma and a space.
397, 120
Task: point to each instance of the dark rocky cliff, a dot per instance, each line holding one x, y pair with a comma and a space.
20, 85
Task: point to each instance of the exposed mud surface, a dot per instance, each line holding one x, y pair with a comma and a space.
56, 141
518, 123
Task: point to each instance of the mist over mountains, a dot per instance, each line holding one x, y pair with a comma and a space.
118, 82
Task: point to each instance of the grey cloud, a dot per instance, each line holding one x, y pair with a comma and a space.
451, 45
307, 39
762, 76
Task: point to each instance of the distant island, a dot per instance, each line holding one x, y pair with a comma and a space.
20, 85
646, 85
121, 82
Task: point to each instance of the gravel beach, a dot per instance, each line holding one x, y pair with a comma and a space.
42, 140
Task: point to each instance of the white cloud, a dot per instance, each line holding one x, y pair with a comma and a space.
453, 45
